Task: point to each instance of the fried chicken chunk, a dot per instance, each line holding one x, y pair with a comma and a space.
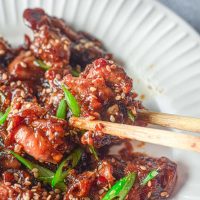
84, 48
24, 67
104, 91
38, 135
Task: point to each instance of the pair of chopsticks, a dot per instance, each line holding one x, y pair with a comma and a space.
151, 135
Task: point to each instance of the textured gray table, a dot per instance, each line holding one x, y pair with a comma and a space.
189, 10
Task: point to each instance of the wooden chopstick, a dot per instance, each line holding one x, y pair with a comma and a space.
155, 136
170, 120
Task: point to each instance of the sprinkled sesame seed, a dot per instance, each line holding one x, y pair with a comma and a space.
19, 83
112, 118
143, 167
118, 97
4, 76
149, 194
164, 194
49, 197
101, 191
93, 89
149, 184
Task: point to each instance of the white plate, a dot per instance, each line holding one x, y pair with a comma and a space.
160, 51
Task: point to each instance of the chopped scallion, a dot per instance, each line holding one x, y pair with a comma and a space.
75, 73
149, 177
131, 116
121, 188
71, 102
70, 162
4, 116
93, 151
62, 109
44, 174
42, 64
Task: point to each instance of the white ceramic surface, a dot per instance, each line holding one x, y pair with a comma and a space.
159, 50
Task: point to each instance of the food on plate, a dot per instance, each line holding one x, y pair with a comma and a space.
57, 74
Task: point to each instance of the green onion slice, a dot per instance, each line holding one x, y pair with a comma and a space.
71, 161
93, 151
42, 64
71, 102
44, 174
75, 73
62, 109
121, 188
5, 115
149, 177
131, 116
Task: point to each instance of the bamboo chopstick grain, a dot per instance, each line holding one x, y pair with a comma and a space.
170, 120
155, 136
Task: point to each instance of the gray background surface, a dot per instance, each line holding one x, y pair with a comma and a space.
189, 10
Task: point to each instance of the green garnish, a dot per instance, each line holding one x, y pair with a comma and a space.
121, 188
44, 174
42, 64
75, 73
1, 114
62, 109
71, 161
131, 116
149, 177
93, 151
71, 102
4, 116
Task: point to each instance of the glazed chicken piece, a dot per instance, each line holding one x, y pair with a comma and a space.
38, 135
18, 184
24, 67
104, 91
112, 168
50, 47
84, 47
160, 187
48, 44
12, 89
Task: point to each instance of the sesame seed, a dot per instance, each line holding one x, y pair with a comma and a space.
65, 47
27, 54
27, 183
49, 197
143, 167
93, 89
34, 170
71, 196
35, 174
112, 118
123, 95
164, 194
149, 184
108, 68
118, 97
101, 191
19, 83
149, 194
24, 65
4, 76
